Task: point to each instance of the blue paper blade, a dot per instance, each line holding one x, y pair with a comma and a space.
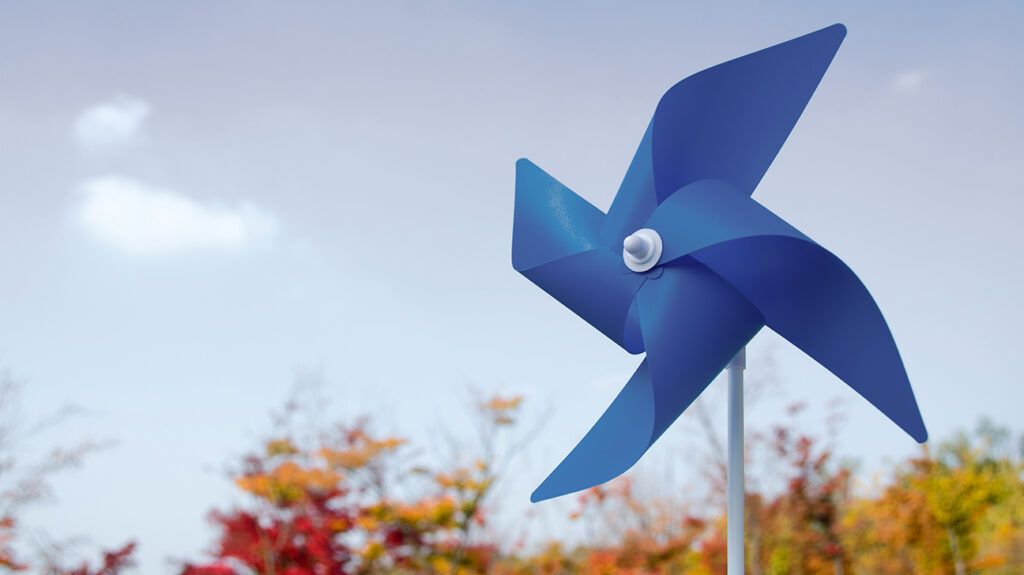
611, 447
594, 286
555, 244
805, 293
550, 221
710, 212
693, 323
728, 122
810, 297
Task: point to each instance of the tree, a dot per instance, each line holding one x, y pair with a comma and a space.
26, 482
354, 501
955, 510
329, 506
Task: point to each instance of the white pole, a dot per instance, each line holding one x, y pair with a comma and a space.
735, 491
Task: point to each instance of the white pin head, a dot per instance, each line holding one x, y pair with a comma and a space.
641, 250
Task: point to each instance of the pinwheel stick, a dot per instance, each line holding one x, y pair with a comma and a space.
735, 491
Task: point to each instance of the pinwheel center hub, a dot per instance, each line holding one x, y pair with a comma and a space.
641, 250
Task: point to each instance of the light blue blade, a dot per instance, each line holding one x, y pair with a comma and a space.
550, 221
728, 122
693, 323
803, 291
555, 245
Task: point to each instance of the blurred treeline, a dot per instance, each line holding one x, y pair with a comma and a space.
348, 501
344, 499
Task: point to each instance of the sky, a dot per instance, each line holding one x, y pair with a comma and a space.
202, 203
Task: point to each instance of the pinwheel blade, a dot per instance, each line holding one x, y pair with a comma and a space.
612, 446
729, 121
803, 291
556, 245
551, 221
710, 212
593, 285
810, 297
692, 323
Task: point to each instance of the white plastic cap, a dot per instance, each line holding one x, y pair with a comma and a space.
641, 250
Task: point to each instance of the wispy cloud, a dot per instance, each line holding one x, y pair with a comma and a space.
910, 81
137, 218
111, 124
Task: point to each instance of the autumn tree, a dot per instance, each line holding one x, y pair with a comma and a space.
953, 510
354, 501
26, 477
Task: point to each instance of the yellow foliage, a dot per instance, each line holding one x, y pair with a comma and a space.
462, 479
501, 409
372, 551
427, 513
279, 447
499, 403
288, 483
364, 450
367, 523
441, 565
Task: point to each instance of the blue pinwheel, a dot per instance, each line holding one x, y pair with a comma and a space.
687, 267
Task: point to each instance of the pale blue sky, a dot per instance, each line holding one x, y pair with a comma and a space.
344, 176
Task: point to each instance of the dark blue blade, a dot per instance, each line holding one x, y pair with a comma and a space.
593, 285
693, 323
611, 447
810, 297
728, 122
555, 244
710, 212
805, 293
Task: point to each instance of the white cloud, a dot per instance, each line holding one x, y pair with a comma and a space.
112, 123
137, 218
909, 81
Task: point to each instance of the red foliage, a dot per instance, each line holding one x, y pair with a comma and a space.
113, 563
298, 543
